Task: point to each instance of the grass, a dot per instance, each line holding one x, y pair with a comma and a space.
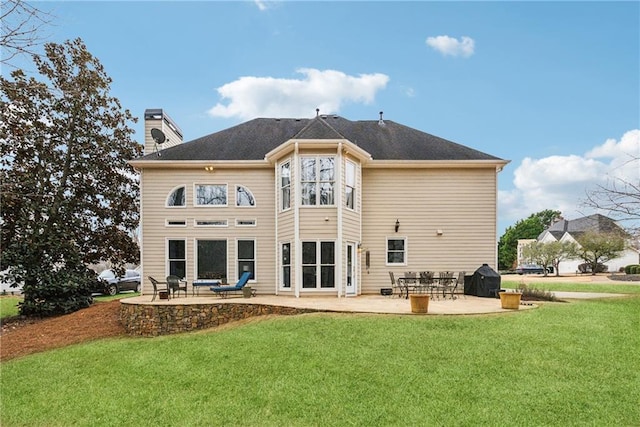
9, 306
560, 364
614, 288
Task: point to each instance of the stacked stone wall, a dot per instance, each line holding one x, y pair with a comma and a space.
153, 320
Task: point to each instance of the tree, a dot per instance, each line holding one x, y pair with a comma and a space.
69, 197
528, 228
620, 196
549, 254
22, 25
598, 248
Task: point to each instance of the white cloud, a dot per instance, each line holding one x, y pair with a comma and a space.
562, 182
262, 5
451, 46
251, 97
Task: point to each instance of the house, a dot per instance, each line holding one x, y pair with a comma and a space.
570, 231
315, 206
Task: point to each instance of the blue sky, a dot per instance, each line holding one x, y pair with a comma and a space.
554, 87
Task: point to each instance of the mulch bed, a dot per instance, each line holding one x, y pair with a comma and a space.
22, 336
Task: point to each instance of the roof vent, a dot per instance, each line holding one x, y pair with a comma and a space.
381, 122
317, 112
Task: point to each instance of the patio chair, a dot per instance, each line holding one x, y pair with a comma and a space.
446, 282
158, 288
459, 284
426, 282
175, 285
224, 291
396, 284
410, 281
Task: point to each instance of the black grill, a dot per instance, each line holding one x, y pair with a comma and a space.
485, 282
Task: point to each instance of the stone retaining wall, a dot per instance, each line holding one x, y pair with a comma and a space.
153, 320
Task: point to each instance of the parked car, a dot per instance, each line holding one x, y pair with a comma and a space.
529, 269
109, 284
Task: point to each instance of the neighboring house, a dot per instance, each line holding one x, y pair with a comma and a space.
321, 206
570, 230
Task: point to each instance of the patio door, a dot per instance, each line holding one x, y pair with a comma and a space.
351, 282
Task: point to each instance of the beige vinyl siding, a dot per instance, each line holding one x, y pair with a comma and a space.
460, 202
158, 183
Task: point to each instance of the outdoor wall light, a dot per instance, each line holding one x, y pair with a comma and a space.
397, 225
209, 168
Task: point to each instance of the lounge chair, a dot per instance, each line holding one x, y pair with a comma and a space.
224, 291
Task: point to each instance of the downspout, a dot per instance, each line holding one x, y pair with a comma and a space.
296, 222
340, 264
277, 215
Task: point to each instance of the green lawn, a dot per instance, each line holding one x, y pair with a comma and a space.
614, 288
9, 305
560, 364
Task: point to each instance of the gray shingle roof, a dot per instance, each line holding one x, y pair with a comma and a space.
596, 223
252, 140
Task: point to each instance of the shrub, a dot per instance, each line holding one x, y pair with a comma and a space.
632, 269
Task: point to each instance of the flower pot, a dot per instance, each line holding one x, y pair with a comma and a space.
419, 303
510, 300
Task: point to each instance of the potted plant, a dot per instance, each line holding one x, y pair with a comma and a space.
510, 299
419, 302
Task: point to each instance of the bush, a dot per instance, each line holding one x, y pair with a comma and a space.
58, 292
586, 268
632, 269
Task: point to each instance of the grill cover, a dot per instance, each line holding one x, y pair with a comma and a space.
485, 282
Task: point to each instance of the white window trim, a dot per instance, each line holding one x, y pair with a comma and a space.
224, 225
255, 202
195, 196
386, 251
178, 223
282, 265
255, 258
166, 200
319, 265
280, 187
317, 181
167, 260
254, 224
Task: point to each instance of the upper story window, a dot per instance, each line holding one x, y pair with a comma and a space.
211, 195
244, 197
317, 179
177, 197
285, 186
350, 185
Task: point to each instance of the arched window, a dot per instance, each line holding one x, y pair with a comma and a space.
177, 197
244, 197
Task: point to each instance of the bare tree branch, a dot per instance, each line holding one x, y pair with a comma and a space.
22, 26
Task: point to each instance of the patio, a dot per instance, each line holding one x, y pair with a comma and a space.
144, 317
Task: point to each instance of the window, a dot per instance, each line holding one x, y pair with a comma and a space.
211, 195
317, 176
245, 222
177, 197
244, 197
247, 257
285, 186
286, 265
211, 223
318, 274
176, 223
350, 185
396, 251
212, 259
177, 258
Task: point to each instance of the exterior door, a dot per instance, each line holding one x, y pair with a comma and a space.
350, 288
